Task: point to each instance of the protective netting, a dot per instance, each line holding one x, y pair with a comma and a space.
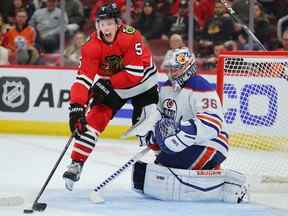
256, 112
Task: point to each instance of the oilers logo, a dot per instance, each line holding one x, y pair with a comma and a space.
14, 94
169, 108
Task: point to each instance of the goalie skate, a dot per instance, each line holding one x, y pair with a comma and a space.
72, 175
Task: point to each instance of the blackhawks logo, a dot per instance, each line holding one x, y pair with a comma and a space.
129, 29
112, 64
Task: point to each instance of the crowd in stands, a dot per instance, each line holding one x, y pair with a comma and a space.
30, 29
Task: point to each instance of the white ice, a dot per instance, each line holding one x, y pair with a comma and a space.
26, 161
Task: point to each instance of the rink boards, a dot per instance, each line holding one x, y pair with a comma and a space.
35, 101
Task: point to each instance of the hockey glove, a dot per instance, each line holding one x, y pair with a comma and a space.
149, 140
103, 93
174, 136
166, 127
77, 119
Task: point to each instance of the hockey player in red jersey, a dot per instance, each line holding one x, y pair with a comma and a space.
115, 66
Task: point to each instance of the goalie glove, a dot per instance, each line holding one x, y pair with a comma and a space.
174, 137
77, 120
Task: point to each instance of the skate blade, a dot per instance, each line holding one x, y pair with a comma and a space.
69, 184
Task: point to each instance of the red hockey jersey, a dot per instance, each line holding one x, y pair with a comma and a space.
137, 76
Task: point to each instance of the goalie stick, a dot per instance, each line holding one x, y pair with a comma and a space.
94, 195
37, 206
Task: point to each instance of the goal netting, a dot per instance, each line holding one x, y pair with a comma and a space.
254, 89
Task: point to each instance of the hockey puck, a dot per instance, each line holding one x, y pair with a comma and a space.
28, 211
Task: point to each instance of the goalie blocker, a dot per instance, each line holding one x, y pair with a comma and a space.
165, 183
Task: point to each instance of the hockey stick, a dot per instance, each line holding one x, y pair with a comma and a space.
94, 195
37, 206
236, 18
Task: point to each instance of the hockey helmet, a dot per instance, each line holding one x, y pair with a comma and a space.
108, 11
181, 65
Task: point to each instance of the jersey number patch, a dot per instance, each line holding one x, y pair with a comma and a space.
138, 49
208, 102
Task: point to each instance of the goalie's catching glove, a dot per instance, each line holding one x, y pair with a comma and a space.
77, 119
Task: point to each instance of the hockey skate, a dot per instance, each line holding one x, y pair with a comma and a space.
72, 174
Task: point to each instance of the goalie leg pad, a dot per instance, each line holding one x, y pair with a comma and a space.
138, 176
235, 188
187, 185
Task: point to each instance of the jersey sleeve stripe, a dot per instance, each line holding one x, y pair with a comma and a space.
210, 119
211, 126
214, 115
135, 73
84, 81
220, 142
134, 67
223, 138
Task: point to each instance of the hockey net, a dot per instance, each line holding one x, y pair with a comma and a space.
254, 89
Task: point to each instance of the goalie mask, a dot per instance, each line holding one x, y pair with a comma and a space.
181, 66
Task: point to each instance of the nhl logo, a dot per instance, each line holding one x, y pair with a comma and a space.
14, 94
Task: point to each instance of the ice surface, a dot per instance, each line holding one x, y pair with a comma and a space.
27, 160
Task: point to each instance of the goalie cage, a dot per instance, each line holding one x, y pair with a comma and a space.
253, 87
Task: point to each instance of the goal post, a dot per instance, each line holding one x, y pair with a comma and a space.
253, 87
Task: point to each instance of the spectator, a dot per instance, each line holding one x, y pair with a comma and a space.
203, 11
72, 52
4, 27
163, 7
178, 23
220, 28
47, 21
211, 62
230, 45
150, 22
20, 5
284, 41
241, 7
21, 35
243, 42
262, 26
75, 12
4, 52
175, 42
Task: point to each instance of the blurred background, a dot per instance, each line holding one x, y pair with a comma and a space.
51, 32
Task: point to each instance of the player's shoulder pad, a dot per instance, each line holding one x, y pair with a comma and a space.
199, 83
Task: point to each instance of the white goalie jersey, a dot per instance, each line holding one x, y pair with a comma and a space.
196, 102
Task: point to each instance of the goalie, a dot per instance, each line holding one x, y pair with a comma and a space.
188, 134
